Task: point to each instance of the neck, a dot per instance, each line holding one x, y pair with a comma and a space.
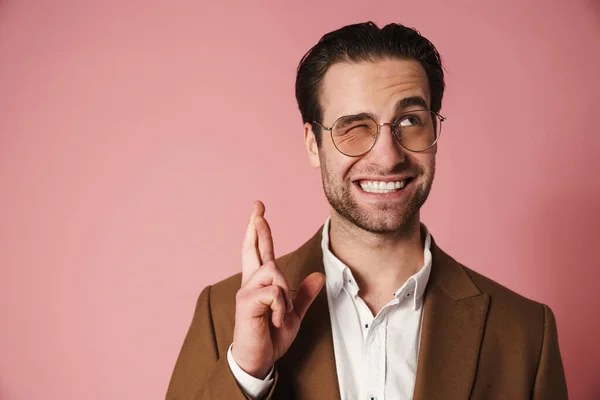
380, 263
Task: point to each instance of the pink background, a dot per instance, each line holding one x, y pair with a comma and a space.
134, 136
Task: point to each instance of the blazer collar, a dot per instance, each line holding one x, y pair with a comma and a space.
454, 313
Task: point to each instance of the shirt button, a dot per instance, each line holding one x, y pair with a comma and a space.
371, 397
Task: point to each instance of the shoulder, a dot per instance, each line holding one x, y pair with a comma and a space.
519, 337
502, 294
511, 316
460, 281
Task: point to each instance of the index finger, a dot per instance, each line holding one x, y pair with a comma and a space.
250, 255
265, 239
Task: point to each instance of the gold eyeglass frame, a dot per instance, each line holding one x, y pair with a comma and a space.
393, 128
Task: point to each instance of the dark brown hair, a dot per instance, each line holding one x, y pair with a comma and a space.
364, 42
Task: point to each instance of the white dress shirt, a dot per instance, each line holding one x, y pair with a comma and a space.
375, 356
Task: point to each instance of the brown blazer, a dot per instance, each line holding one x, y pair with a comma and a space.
479, 340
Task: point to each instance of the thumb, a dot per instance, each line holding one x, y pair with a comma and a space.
307, 293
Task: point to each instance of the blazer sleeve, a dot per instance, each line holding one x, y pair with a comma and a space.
550, 382
201, 373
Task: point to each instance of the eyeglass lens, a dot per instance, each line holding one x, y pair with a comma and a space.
355, 135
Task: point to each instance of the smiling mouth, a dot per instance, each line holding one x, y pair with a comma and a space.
383, 187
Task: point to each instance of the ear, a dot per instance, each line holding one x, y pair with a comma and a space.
312, 149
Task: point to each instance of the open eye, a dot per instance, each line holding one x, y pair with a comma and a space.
409, 120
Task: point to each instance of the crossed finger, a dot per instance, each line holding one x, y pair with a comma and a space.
257, 248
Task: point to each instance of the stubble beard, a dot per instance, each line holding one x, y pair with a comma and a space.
387, 218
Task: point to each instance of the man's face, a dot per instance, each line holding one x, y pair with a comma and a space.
376, 88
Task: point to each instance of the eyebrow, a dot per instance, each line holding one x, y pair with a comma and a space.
411, 102
348, 119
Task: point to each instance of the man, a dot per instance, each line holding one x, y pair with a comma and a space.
398, 318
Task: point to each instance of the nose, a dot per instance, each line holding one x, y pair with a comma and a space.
387, 152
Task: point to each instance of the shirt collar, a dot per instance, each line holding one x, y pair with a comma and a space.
335, 270
337, 273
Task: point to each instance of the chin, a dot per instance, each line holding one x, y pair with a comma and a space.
374, 220
387, 226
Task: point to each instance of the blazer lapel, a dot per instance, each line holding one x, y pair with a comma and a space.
454, 313
308, 369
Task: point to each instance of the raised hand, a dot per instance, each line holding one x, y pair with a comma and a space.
267, 319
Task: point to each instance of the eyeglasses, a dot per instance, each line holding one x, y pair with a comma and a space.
355, 135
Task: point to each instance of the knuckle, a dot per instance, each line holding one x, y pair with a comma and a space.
280, 280
240, 295
275, 292
271, 267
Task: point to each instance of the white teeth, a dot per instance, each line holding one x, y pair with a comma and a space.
382, 187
